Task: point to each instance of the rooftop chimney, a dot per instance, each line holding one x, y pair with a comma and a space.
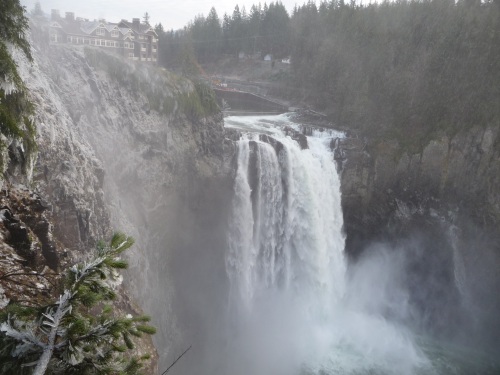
70, 16
136, 21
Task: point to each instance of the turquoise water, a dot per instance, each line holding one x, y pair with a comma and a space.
436, 359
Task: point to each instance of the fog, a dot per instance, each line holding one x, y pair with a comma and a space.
408, 292
249, 266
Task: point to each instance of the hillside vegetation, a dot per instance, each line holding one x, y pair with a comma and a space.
407, 70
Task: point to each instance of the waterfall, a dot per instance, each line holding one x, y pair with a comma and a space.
286, 228
290, 310
285, 260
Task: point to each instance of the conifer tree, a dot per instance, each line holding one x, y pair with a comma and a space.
37, 10
78, 333
146, 18
15, 108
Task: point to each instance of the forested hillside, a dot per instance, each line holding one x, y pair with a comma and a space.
406, 70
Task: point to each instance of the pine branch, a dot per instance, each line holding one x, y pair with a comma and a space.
69, 333
63, 308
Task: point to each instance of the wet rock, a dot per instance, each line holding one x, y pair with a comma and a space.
28, 227
299, 137
448, 174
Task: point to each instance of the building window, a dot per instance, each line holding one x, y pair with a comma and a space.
117, 44
131, 54
92, 42
85, 41
109, 43
101, 31
114, 33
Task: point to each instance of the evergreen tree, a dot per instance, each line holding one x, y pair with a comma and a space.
226, 33
254, 25
145, 18
159, 29
275, 30
78, 333
236, 31
213, 34
37, 10
15, 108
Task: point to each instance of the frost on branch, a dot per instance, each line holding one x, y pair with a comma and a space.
78, 333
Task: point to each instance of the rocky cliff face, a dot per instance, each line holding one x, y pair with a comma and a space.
122, 148
450, 173
440, 206
127, 147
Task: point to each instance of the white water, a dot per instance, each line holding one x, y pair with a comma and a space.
290, 307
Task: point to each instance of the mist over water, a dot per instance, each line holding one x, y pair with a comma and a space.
294, 305
290, 308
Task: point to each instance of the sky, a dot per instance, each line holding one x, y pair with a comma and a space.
173, 14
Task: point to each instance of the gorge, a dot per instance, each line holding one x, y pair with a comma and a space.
266, 254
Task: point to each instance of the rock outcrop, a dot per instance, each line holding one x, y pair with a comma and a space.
30, 256
125, 146
441, 207
458, 175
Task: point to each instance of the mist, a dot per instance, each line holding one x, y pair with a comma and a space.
408, 291
246, 250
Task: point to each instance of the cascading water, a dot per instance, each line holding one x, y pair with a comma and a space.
288, 304
287, 224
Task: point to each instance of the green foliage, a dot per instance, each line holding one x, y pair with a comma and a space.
15, 108
207, 39
13, 25
165, 92
199, 103
408, 70
80, 331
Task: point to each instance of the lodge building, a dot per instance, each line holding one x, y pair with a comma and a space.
134, 40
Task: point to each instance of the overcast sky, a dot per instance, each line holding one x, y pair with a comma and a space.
173, 14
